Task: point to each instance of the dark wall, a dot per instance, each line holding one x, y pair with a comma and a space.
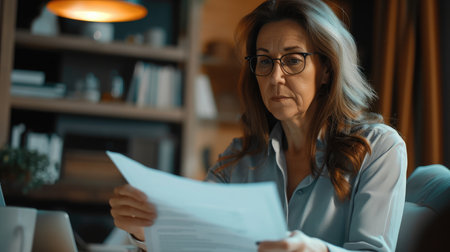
362, 23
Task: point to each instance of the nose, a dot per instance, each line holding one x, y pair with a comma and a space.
277, 75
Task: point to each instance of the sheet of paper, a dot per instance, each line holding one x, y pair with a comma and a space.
197, 216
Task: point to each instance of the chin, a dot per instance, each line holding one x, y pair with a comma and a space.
286, 114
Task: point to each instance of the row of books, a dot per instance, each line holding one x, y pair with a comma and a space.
151, 85
155, 86
31, 83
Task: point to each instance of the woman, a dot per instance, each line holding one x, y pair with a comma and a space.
340, 172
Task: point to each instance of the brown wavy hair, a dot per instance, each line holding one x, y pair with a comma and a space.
342, 104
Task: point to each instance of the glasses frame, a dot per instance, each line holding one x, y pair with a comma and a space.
304, 54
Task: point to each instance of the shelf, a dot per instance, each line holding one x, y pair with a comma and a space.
115, 48
76, 191
115, 110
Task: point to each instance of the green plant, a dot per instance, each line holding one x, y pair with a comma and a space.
22, 167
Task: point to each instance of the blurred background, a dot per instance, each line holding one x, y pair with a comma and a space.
163, 90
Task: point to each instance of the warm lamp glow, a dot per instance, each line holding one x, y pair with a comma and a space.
97, 10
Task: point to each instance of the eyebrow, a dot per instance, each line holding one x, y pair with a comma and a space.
285, 49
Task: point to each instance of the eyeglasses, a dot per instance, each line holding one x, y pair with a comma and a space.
291, 63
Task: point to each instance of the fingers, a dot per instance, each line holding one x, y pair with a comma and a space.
131, 203
278, 246
128, 190
126, 222
291, 244
130, 208
296, 242
124, 210
127, 198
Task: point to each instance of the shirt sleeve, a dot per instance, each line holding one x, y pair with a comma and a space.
378, 197
216, 173
140, 244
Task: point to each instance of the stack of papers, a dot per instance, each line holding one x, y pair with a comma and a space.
200, 216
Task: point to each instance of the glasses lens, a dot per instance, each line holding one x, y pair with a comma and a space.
261, 65
293, 63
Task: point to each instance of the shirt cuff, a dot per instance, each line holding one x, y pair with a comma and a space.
138, 243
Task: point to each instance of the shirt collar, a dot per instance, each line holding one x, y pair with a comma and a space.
276, 137
276, 141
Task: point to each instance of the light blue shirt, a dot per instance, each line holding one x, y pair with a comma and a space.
368, 221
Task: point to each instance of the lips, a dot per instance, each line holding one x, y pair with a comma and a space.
279, 98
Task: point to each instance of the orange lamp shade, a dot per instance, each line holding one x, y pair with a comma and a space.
97, 10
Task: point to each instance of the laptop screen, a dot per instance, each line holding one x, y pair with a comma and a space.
2, 199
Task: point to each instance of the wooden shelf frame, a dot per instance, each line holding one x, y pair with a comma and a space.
107, 109
115, 48
7, 26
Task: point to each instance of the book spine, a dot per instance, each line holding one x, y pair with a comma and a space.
30, 77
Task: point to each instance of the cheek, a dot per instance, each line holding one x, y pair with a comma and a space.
263, 88
304, 91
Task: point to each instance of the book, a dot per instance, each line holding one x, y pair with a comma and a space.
143, 86
30, 77
205, 105
135, 80
178, 89
165, 87
17, 133
48, 90
152, 94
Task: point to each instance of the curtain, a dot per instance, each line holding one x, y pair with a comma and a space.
407, 75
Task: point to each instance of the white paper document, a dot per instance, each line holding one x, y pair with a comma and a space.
196, 216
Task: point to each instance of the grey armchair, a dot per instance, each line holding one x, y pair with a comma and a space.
427, 199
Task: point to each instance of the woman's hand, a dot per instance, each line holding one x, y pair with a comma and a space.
131, 210
296, 242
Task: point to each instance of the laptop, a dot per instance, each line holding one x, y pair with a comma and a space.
52, 233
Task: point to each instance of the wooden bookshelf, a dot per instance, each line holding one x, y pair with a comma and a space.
182, 54
76, 43
109, 109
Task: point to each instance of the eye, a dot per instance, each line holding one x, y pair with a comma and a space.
292, 60
264, 61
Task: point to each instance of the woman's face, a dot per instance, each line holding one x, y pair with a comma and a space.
288, 97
